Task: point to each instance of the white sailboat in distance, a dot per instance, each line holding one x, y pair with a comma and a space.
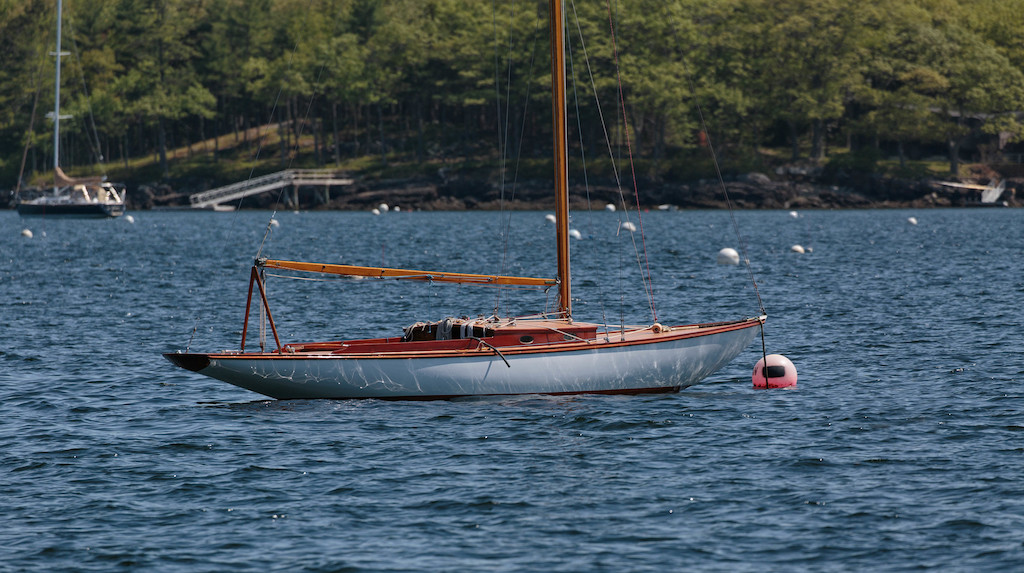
84, 197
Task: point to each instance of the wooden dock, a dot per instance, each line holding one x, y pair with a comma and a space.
293, 178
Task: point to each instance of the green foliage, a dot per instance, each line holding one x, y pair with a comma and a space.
461, 81
863, 160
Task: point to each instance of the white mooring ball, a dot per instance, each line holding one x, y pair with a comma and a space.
728, 256
26, 233
779, 372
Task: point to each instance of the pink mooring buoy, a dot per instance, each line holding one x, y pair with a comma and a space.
774, 371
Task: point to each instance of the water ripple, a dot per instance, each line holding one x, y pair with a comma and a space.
898, 450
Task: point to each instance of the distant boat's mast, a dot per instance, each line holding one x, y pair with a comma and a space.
561, 162
56, 103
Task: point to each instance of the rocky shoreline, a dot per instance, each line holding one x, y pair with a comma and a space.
750, 191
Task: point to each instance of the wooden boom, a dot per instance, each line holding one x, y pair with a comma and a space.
406, 274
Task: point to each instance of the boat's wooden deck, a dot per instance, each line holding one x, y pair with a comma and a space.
514, 337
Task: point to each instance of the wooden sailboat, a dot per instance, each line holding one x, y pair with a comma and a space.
88, 197
483, 357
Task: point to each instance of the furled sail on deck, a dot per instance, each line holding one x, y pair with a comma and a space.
63, 180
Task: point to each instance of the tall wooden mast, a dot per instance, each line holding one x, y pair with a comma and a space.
56, 101
560, 156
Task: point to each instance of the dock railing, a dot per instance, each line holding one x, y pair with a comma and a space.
291, 177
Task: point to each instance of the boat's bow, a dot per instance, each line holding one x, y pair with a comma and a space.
194, 362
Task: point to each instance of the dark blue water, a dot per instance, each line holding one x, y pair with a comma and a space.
902, 448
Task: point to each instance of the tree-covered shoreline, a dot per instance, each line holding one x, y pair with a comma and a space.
414, 85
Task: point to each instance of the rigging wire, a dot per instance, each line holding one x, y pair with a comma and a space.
721, 183
259, 150
612, 160
507, 223
263, 312
583, 152
648, 284
502, 134
94, 141
31, 125
725, 190
291, 160
298, 137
